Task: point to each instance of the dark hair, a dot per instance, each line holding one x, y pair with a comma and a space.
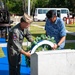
22, 20
51, 13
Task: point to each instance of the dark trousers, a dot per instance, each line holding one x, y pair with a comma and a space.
14, 64
14, 70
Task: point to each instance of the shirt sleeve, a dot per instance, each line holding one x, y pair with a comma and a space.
62, 29
28, 35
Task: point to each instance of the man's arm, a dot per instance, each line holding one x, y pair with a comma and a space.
59, 43
61, 40
25, 53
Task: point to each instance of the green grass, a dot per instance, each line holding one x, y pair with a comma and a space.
38, 31
70, 27
39, 23
70, 37
70, 46
35, 31
1, 52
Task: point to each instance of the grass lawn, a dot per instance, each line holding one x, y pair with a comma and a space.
39, 23
70, 37
70, 46
70, 27
36, 31
1, 52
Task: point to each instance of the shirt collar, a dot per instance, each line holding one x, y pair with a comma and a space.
55, 21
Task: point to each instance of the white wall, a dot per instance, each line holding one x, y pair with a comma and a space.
58, 62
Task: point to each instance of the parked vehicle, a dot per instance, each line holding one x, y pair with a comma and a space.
40, 13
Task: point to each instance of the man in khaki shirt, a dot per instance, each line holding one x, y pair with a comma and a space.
14, 45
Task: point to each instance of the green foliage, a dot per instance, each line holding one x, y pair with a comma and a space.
17, 6
70, 27
41, 3
42, 47
1, 53
39, 39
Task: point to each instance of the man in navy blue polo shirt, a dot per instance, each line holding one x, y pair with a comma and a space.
55, 27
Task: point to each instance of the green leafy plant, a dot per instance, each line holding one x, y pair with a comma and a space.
39, 39
40, 48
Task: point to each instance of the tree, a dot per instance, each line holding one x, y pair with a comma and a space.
19, 6
15, 6
73, 5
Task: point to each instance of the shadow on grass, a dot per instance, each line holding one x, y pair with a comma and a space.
70, 46
70, 37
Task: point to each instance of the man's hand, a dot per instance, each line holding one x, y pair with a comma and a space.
55, 46
28, 54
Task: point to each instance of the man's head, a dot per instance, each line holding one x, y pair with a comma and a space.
25, 21
51, 15
26, 18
